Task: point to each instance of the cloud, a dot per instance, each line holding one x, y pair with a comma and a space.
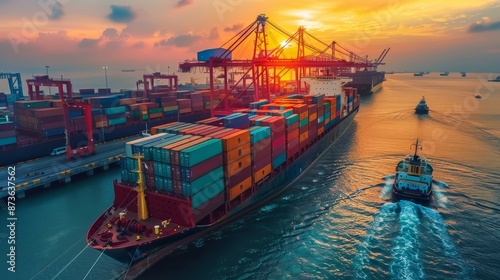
214, 34
183, 3
121, 14
485, 25
235, 27
57, 11
183, 40
139, 45
87, 43
110, 33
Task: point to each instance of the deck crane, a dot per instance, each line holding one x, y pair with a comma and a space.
267, 64
68, 102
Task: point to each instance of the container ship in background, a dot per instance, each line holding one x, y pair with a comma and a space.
192, 177
367, 81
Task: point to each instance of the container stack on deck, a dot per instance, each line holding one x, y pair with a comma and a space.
7, 134
221, 161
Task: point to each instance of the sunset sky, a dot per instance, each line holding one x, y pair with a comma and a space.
78, 38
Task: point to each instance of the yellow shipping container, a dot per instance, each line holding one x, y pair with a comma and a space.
304, 136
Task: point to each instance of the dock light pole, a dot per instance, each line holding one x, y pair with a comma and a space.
47, 71
168, 70
106, 74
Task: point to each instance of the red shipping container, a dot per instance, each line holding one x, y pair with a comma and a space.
208, 207
292, 151
293, 126
235, 179
292, 134
192, 173
278, 151
260, 163
210, 130
292, 143
176, 186
265, 144
221, 133
261, 153
277, 142
176, 171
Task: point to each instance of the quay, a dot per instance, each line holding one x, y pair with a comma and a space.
43, 172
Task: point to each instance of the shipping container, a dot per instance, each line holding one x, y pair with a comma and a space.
200, 152
235, 139
239, 188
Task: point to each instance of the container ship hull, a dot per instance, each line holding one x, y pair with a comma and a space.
266, 190
366, 81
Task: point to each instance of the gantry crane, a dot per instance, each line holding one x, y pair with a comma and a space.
15, 83
68, 102
149, 84
267, 65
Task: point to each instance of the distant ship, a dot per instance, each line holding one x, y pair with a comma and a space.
413, 178
422, 107
367, 81
444, 74
464, 74
497, 79
419, 74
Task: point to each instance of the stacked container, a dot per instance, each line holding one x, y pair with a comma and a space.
260, 139
7, 134
37, 119
237, 162
278, 139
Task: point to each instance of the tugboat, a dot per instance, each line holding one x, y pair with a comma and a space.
413, 178
422, 107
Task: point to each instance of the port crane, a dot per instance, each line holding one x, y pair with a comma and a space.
15, 83
149, 84
66, 95
267, 64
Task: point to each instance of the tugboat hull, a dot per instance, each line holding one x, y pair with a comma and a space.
409, 195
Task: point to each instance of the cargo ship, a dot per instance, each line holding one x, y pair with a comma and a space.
413, 178
367, 81
422, 107
191, 178
37, 128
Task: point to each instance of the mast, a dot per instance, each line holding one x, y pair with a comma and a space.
142, 207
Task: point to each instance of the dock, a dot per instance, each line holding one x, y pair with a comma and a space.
46, 171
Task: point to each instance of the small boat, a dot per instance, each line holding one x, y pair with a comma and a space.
413, 178
444, 74
478, 96
497, 79
422, 107
464, 74
419, 74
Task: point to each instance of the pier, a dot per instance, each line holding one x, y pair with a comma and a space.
43, 172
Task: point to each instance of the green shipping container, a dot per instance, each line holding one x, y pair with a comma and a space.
117, 121
304, 122
145, 117
162, 169
292, 119
136, 113
115, 110
8, 141
200, 152
155, 110
189, 189
259, 133
207, 193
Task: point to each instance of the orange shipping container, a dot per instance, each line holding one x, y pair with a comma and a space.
320, 130
235, 140
235, 167
313, 117
303, 115
260, 174
304, 136
235, 191
235, 154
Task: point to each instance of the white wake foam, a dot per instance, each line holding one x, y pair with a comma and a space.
406, 262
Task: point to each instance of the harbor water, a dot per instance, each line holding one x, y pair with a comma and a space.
338, 221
